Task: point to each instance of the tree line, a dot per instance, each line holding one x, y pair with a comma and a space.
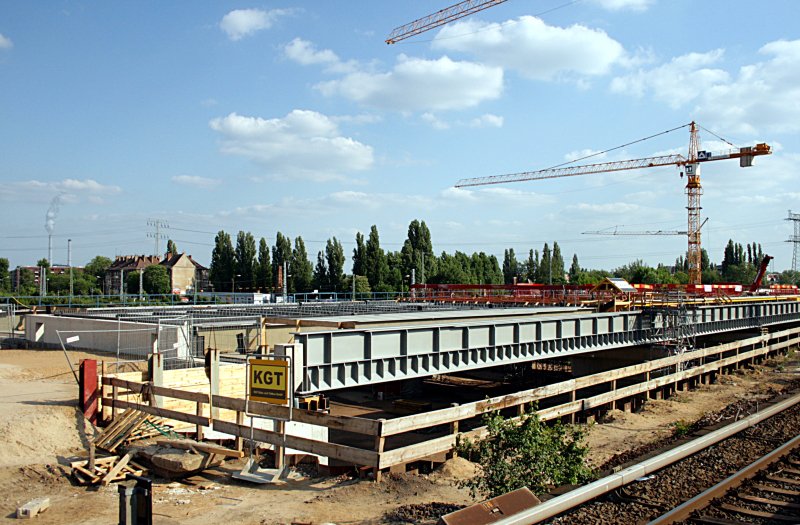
250, 266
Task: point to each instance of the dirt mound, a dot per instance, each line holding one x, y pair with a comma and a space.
456, 469
38, 435
421, 512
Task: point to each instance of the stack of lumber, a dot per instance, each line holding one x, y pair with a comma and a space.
131, 425
106, 470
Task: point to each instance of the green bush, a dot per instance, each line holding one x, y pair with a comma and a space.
526, 453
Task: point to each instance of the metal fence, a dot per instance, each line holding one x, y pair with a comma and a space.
9, 335
130, 348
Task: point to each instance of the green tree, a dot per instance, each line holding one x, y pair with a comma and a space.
526, 453
789, 277
545, 274
5, 276
510, 266
396, 279
245, 261
574, 269
222, 262
532, 265
637, 272
417, 251
362, 284
156, 280
27, 282
375, 265
321, 273
300, 268
558, 265
95, 272
171, 248
449, 270
334, 264
358, 255
264, 267
132, 283
281, 253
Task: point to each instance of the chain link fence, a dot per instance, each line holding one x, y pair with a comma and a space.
129, 349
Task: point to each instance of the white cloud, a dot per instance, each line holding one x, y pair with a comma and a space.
240, 23
69, 190
613, 208
305, 53
595, 155
196, 181
417, 84
619, 5
303, 144
5, 42
434, 121
763, 96
677, 82
487, 120
533, 48
494, 195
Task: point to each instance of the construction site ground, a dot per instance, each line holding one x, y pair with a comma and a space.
41, 430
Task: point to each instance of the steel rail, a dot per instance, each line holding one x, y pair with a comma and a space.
586, 493
703, 500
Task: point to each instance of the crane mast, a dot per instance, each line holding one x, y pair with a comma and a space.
693, 190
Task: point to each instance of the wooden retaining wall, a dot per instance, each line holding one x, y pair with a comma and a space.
189, 400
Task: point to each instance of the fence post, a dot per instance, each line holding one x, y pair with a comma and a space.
380, 442
156, 369
88, 389
454, 431
199, 428
214, 380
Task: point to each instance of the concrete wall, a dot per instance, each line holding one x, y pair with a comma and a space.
183, 275
127, 340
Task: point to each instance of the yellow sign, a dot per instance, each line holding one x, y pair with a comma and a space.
269, 381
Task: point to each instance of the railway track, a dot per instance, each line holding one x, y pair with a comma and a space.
766, 491
751, 476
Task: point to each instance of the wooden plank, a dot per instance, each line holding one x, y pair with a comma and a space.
203, 447
418, 451
353, 455
166, 413
768, 501
357, 425
147, 388
776, 490
108, 478
468, 410
759, 514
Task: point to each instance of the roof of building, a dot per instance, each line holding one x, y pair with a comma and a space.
170, 259
133, 262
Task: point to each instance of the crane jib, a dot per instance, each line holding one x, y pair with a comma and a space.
744, 154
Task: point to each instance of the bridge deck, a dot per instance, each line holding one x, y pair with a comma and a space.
335, 359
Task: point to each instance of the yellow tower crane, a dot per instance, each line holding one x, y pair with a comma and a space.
690, 165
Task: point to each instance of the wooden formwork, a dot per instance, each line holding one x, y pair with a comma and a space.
192, 399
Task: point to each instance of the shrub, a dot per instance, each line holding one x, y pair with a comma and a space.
526, 453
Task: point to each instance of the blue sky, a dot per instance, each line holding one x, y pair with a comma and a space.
297, 117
